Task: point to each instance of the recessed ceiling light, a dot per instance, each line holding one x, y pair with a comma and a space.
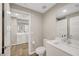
64, 10
77, 5
44, 7
8, 12
16, 14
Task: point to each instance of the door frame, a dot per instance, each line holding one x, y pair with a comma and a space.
29, 41
1, 28
7, 19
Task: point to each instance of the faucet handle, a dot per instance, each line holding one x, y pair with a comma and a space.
70, 37
62, 36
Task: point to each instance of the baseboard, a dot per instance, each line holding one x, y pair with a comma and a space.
18, 44
1, 54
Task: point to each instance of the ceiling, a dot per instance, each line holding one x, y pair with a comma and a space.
39, 7
68, 9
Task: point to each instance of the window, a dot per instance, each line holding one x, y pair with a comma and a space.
22, 26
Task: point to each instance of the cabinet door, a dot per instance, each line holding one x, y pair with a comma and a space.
74, 27
53, 51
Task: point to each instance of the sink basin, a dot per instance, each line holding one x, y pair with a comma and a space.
72, 48
56, 42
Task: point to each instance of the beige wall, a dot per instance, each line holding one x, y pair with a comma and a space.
42, 26
49, 22
36, 26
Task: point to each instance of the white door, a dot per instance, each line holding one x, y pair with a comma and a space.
7, 22
74, 27
0, 28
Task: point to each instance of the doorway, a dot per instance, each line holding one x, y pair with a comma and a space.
16, 36
19, 36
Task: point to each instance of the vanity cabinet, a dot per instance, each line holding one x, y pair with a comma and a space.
53, 51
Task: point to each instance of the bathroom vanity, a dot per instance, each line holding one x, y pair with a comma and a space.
66, 42
60, 48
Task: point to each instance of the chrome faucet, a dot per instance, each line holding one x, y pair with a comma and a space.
69, 38
64, 39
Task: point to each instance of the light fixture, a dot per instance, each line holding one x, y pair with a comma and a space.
64, 10
77, 5
44, 7
8, 12
16, 14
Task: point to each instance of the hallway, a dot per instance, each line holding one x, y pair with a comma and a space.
19, 50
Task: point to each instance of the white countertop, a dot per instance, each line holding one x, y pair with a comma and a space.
71, 49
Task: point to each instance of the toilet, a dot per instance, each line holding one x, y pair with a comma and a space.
41, 50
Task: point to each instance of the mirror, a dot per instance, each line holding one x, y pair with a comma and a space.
68, 21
